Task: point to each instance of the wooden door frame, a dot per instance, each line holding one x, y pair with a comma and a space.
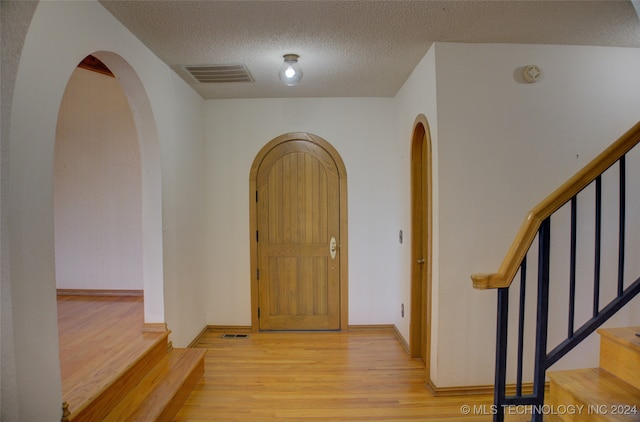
343, 232
421, 235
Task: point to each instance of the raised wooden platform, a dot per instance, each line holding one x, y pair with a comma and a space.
108, 364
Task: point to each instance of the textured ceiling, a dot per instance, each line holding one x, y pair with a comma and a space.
354, 48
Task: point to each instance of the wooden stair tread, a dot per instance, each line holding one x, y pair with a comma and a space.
595, 386
625, 336
620, 354
160, 394
89, 396
102, 358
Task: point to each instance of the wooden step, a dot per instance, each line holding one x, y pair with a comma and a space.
91, 398
161, 393
603, 396
620, 353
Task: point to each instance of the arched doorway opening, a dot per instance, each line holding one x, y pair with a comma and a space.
97, 187
298, 221
151, 253
421, 244
107, 221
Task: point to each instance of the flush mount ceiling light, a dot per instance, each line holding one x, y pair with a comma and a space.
290, 72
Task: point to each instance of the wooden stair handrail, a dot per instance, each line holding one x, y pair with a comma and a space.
531, 224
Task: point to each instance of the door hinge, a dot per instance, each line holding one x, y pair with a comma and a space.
256, 196
256, 235
258, 313
258, 273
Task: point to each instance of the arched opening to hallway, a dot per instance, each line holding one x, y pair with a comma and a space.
107, 222
97, 187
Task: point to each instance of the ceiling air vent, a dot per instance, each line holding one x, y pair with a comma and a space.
219, 73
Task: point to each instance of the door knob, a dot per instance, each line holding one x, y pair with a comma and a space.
420, 261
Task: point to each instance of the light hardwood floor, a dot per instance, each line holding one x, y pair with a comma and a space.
324, 376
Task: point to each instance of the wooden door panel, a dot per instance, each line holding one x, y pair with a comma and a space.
298, 286
297, 195
298, 214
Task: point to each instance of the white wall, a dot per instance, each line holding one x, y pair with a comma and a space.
504, 146
97, 187
418, 96
362, 132
62, 33
183, 211
15, 18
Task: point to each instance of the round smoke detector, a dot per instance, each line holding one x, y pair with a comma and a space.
531, 73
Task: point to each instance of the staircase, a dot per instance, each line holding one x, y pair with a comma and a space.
152, 388
608, 393
581, 198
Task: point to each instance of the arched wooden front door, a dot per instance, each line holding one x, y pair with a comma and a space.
299, 245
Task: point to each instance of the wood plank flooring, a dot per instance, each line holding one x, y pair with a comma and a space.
99, 337
324, 376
